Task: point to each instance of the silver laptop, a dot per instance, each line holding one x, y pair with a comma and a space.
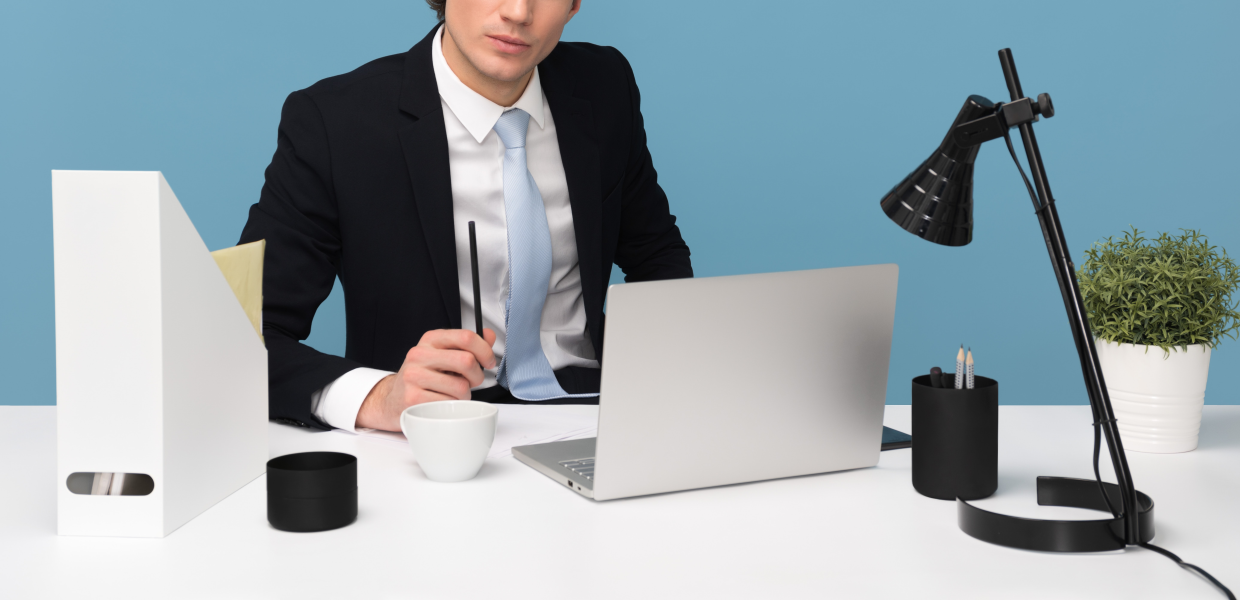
725, 380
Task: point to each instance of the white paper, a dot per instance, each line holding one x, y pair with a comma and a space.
519, 425
118, 484
101, 485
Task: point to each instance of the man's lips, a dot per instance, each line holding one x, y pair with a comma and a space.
508, 44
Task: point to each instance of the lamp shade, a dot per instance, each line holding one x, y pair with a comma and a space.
935, 201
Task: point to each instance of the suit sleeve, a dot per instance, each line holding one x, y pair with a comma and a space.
297, 214
650, 246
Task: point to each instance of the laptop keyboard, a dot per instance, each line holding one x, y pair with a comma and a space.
580, 466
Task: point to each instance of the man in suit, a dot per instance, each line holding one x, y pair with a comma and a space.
377, 173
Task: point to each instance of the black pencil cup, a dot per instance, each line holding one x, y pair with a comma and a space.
955, 439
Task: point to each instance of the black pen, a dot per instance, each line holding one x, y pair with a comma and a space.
936, 377
473, 266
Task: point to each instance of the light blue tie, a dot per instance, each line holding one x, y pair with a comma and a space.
524, 369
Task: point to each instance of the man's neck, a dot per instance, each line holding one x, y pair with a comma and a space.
503, 93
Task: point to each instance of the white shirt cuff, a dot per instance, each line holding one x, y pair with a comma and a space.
338, 402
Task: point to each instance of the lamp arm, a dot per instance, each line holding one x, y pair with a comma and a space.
1065, 273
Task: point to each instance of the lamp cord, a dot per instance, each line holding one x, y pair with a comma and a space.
1148, 546
1098, 425
1190, 567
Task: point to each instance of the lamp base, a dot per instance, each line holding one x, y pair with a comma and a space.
1059, 536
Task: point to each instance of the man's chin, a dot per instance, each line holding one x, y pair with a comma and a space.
507, 73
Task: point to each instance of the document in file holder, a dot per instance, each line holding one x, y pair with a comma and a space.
242, 267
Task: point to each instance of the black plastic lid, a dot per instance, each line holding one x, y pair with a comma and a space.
312, 475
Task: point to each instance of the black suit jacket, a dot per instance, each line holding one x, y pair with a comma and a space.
359, 189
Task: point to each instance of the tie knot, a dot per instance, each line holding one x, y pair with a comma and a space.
511, 128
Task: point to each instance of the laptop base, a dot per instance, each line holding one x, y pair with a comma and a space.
559, 460
548, 459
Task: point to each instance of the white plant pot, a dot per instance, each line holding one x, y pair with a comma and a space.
1157, 398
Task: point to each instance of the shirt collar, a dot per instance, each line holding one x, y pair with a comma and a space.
476, 113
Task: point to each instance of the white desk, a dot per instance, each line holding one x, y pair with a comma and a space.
513, 533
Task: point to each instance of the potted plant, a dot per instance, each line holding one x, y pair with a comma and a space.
1157, 308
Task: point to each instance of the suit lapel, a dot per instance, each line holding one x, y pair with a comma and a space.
425, 144
574, 125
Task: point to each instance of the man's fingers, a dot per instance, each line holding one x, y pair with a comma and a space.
460, 362
461, 339
425, 384
488, 335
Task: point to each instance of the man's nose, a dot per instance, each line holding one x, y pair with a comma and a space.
520, 12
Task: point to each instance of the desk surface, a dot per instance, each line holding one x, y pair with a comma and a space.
512, 532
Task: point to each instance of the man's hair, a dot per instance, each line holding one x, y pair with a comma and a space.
437, 6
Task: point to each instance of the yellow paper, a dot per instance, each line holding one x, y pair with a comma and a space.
243, 268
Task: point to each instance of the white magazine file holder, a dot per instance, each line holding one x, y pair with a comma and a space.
158, 369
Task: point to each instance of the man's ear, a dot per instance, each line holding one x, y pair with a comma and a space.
572, 10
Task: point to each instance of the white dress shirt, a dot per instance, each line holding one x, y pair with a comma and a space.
475, 158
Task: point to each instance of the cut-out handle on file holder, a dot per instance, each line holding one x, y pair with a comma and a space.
110, 484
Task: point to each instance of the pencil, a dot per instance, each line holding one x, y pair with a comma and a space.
473, 267
968, 368
960, 368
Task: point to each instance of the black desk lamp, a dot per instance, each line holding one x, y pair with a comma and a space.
935, 202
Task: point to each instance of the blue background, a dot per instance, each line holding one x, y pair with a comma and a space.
776, 128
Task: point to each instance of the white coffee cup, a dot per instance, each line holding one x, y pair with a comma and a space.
450, 439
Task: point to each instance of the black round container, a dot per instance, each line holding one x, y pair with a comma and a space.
956, 439
311, 491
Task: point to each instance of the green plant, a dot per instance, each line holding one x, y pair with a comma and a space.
1172, 291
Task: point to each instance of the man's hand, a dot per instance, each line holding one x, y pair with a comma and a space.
444, 365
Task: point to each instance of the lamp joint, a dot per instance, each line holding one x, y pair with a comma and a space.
1004, 117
